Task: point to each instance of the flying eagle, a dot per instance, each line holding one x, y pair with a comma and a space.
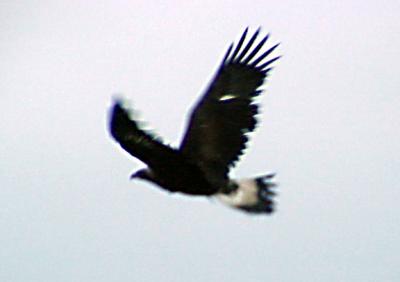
216, 135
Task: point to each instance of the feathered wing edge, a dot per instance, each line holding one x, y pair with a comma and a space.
141, 144
251, 60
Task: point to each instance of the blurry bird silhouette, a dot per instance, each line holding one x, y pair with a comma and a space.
216, 135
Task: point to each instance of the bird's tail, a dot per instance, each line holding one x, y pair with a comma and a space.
253, 195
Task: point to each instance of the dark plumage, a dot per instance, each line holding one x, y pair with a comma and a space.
216, 136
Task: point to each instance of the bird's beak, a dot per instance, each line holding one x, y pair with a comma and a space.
133, 175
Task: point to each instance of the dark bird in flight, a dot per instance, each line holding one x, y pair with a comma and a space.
216, 135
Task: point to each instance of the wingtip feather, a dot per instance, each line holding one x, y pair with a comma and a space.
247, 47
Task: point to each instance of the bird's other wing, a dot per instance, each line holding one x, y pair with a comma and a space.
217, 132
137, 142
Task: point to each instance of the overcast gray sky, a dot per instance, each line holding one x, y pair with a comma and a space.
330, 129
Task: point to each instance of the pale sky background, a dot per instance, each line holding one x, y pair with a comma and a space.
330, 129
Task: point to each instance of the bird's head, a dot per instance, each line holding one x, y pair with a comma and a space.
142, 174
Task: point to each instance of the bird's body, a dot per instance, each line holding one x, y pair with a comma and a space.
181, 175
215, 138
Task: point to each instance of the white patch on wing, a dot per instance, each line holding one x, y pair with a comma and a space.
245, 195
227, 97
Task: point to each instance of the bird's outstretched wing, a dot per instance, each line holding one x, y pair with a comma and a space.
140, 144
218, 126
